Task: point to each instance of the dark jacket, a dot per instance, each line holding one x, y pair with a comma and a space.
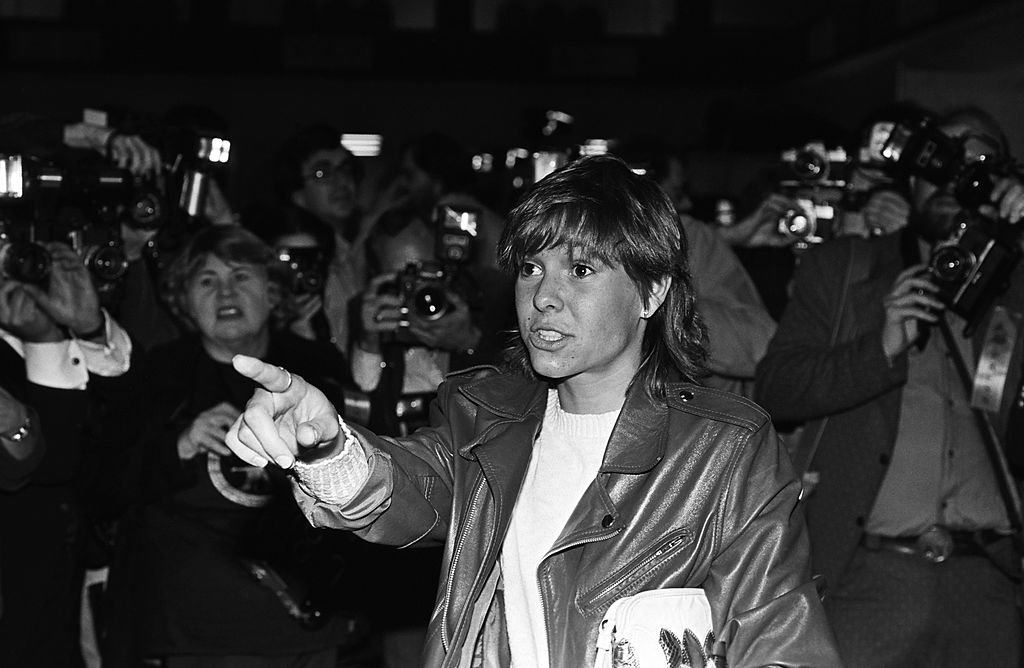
694, 491
178, 583
826, 366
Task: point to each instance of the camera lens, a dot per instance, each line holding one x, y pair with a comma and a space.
810, 165
430, 302
951, 264
974, 186
796, 224
107, 263
146, 210
25, 261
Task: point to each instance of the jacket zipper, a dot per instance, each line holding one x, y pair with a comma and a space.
540, 588
455, 560
661, 551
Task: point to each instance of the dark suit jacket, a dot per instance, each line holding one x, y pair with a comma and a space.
826, 366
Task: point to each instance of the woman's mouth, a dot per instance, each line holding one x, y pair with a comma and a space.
547, 339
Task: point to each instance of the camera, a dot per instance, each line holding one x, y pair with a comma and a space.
22, 259
422, 289
305, 269
815, 178
973, 266
918, 147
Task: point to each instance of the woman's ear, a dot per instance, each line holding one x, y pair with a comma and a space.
659, 291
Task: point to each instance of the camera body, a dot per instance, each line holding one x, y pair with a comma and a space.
305, 269
973, 266
422, 289
919, 148
76, 203
815, 178
425, 288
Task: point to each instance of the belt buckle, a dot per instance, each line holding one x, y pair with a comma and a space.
935, 544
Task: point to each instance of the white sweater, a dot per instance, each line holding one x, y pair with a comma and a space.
565, 461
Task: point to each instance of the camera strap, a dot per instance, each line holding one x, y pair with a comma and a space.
993, 367
1000, 466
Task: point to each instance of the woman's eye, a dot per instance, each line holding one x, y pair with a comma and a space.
581, 270
529, 269
205, 282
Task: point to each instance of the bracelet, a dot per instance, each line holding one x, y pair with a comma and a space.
92, 333
19, 434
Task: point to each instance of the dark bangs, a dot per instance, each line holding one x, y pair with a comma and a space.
576, 225
599, 219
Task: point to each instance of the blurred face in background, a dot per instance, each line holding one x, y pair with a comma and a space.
418, 187
412, 244
328, 187
677, 186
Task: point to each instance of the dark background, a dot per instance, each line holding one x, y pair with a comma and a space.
733, 81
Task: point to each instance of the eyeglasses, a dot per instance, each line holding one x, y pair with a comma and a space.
326, 172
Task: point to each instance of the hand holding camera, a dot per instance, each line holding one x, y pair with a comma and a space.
1007, 200
911, 299
759, 229
70, 299
21, 315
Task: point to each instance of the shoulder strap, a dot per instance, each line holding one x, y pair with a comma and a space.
858, 266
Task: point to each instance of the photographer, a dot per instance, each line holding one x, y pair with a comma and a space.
400, 359
910, 507
318, 181
60, 355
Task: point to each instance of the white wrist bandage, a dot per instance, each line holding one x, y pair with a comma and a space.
337, 478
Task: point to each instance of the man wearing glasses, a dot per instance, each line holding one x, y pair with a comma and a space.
318, 179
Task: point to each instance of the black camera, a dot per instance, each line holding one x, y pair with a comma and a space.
815, 178
305, 269
22, 259
422, 289
973, 266
919, 148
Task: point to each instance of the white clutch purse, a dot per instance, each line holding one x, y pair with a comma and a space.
663, 628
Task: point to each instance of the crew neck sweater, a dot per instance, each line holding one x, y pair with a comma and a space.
565, 460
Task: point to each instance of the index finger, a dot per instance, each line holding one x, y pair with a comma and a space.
272, 378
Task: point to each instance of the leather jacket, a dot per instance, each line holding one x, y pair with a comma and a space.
694, 491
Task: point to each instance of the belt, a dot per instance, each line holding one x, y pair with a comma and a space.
937, 544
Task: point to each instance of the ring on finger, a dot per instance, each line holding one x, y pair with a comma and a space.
289, 385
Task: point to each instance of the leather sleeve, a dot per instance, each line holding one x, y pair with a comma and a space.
760, 580
408, 496
803, 376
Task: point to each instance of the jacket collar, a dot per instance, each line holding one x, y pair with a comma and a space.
637, 442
